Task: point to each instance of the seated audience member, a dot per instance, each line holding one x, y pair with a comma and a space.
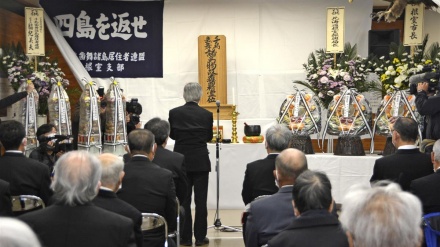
44, 152
111, 179
147, 186
408, 163
258, 178
381, 216
425, 188
5, 199
315, 225
11, 99
269, 216
25, 176
168, 159
15, 233
73, 220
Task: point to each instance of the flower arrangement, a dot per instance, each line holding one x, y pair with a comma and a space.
21, 69
326, 76
395, 72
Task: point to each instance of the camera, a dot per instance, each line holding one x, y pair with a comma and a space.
59, 143
431, 75
134, 109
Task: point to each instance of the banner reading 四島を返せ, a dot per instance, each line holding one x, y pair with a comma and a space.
112, 38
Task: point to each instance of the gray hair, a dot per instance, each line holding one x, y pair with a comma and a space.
112, 167
312, 190
15, 233
436, 150
290, 163
192, 92
160, 129
278, 137
382, 216
76, 178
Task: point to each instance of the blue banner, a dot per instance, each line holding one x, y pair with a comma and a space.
112, 38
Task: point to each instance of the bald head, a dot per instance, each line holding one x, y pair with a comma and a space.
112, 170
289, 164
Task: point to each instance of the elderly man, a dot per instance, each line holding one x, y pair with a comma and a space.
381, 216
147, 186
425, 188
25, 176
315, 225
191, 128
269, 216
111, 179
258, 178
73, 220
407, 163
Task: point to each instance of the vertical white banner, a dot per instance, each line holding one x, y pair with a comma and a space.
413, 31
34, 31
335, 30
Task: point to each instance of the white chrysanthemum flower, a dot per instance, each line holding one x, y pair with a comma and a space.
387, 72
393, 72
330, 93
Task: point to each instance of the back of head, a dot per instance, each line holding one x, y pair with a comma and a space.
11, 134
140, 140
160, 129
112, 167
76, 178
290, 163
436, 150
15, 233
192, 92
278, 137
312, 190
44, 128
382, 216
407, 129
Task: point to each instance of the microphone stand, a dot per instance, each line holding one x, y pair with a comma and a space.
217, 222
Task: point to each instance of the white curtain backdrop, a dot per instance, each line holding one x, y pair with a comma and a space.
267, 43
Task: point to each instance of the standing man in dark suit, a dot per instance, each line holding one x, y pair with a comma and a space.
425, 188
147, 186
407, 163
191, 128
258, 178
315, 225
5, 199
269, 216
25, 176
73, 220
111, 179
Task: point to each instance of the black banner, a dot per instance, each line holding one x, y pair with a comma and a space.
112, 38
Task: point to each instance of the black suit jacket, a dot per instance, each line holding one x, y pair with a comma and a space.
269, 216
402, 167
109, 201
191, 128
174, 162
259, 179
150, 189
11, 99
25, 176
313, 228
5, 199
426, 189
85, 226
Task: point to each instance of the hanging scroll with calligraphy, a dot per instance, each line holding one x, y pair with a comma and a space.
335, 30
413, 31
118, 38
34, 31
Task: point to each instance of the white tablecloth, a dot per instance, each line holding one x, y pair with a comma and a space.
343, 171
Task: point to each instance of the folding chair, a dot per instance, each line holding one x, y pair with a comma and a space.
152, 221
176, 234
26, 203
431, 228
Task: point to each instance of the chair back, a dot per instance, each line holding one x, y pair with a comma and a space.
152, 221
176, 234
431, 228
26, 203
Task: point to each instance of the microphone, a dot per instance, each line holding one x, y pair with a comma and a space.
424, 77
217, 103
